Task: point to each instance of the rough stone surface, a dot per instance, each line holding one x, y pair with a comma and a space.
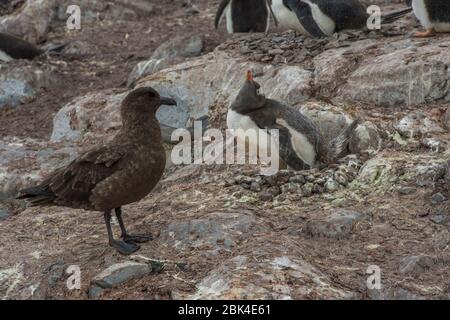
411, 75
337, 225
22, 162
86, 115
216, 231
99, 10
31, 22
384, 171
230, 280
417, 124
116, 275
21, 82
169, 53
416, 265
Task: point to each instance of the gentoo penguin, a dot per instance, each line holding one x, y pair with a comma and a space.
301, 144
320, 18
244, 15
434, 15
114, 174
12, 47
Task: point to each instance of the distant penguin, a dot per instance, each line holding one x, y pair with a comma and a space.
12, 47
434, 15
301, 144
321, 18
244, 15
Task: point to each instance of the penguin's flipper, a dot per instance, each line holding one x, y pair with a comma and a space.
304, 14
222, 6
395, 15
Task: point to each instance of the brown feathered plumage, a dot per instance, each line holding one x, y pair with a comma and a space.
118, 173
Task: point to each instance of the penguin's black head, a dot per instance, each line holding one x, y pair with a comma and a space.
250, 97
408, 3
145, 100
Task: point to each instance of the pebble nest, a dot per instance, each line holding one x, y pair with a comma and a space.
301, 184
290, 48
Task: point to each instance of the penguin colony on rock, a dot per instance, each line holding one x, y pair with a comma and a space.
320, 18
126, 169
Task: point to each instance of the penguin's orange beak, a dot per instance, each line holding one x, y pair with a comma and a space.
249, 76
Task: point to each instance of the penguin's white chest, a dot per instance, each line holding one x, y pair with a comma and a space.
286, 17
325, 23
4, 57
236, 121
289, 19
229, 16
302, 147
421, 12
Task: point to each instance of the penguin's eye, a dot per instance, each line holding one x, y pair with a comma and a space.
259, 92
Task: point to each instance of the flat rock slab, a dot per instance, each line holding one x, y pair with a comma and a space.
25, 161
215, 232
31, 22
116, 275
412, 75
338, 224
385, 170
171, 52
19, 81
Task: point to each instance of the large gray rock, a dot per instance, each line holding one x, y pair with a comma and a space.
386, 170
93, 114
173, 51
333, 67
412, 75
25, 161
417, 124
32, 21
21, 82
94, 10
332, 120
338, 224
116, 275
215, 232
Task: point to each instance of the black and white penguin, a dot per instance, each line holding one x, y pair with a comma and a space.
320, 18
12, 47
434, 15
244, 15
301, 144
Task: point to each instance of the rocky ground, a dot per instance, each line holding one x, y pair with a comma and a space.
226, 231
